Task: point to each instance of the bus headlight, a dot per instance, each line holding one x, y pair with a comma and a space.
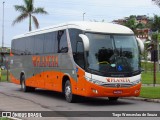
136, 82
94, 81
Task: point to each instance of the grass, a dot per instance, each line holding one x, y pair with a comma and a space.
150, 92
147, 77
4, 76
147, 66
5, 119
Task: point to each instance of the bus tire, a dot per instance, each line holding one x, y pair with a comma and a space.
25, 88
68, 92
113, 98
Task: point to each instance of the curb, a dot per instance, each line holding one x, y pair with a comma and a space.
150, 85
12, 118
142, 99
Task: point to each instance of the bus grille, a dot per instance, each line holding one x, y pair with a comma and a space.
118, 85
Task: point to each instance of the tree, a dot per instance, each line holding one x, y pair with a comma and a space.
28, 10
157, 2
149, 23
140, 26
155, 27
131, 23
156, 23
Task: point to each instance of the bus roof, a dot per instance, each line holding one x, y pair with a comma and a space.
99, 27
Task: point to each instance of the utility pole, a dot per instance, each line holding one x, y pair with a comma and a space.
154, 59
158, 62
83, 16
158, 56
3, 28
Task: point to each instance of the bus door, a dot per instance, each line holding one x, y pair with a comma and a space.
80, 60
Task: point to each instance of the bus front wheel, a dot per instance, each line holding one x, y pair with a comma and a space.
25, 88
68, 92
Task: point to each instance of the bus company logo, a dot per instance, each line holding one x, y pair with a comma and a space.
45, 61
117, 80
117, 85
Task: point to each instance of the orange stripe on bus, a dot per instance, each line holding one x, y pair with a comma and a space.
14, 80
50, 80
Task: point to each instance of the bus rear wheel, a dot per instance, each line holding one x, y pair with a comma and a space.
25, 88
68, 92
113, 98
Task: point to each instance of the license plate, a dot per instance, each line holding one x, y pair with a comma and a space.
117, 92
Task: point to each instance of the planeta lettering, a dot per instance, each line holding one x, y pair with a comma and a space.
45, 61
117, 80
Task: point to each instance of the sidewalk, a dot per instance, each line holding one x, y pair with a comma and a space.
143, 99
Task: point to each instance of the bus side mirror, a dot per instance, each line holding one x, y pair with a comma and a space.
85, 41
141, 45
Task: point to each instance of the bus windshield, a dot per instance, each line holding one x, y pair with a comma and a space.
113, 55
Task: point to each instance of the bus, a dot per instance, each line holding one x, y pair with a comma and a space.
89, 59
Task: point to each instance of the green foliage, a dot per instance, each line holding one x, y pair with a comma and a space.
5, 49
157, 2
132, 16
28, 10
154, 36
3, 76
140, 26
150, 92
131, 23
156, 23
5, 119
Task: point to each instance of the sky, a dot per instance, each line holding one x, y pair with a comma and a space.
61, 11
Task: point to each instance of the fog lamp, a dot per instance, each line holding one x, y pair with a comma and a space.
95, 91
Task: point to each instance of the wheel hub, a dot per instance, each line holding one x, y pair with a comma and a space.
68, 91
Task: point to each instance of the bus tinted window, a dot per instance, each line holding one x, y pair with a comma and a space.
49, 43
29, 45
38, 49
74, 37
62, 41
80, 54
19, 46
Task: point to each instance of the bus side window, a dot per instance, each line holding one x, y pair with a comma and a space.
49, 44
62, 42
74, 37
38, 44
29, 45
80, 55
18, 46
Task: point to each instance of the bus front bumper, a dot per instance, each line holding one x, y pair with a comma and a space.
93, 90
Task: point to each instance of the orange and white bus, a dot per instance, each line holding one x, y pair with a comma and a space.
89, 59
